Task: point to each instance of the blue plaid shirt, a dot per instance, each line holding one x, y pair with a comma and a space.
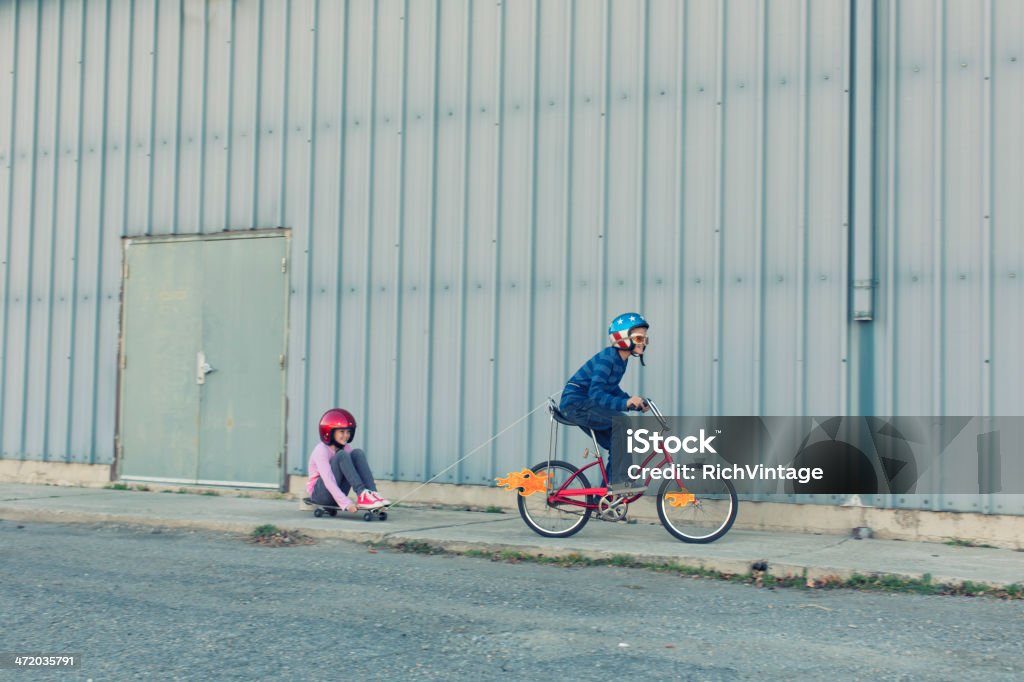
598, 380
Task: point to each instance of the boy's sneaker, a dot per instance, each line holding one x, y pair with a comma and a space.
378, 496
625, 488
368, 501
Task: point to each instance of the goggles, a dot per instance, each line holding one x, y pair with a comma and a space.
639, 339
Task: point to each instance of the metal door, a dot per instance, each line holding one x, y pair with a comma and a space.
203, 360
241, 406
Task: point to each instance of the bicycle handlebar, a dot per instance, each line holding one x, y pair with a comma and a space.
656, 413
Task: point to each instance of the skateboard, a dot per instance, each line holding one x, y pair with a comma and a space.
380, 513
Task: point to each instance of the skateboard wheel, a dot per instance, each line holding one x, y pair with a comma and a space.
318, 513
332, 512
367, 516
383, 516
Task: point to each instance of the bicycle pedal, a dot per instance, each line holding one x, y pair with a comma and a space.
612, 508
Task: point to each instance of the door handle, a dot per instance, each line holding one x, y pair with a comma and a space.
202, 368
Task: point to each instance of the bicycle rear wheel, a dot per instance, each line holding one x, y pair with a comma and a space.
560, 519
698, 511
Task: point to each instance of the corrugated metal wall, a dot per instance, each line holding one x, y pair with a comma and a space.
950, 217
950, 207
475, 187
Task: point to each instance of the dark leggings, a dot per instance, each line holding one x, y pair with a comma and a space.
350, 471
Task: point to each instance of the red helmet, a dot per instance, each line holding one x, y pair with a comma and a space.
336, 418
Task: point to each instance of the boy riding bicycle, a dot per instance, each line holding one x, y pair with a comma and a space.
592, 396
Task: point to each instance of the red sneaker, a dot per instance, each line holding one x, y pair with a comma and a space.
367, 501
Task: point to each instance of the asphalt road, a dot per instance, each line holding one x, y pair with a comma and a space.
143, 603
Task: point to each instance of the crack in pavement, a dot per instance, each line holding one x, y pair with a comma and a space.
813, 550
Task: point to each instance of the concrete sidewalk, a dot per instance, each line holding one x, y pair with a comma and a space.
785, 553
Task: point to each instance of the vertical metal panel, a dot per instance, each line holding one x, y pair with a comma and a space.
463, 241
175, 153
782, 312
513, 223
40, 189
73, 220
476, 187
481, 247
435, 293
322, 201
550, 147
292, 188
92, 154
216, 122
395, 103
826, 315
64, 145
677, 279
800, 270
311, 293
256, 122
54, 197
496, 242
441, 352
154, 84
695, 344
718, 154
229, 134
758, 218
658, 184
1005, 140
188, 195
9, 75
136, 190
112, 223
20, 257
737, 226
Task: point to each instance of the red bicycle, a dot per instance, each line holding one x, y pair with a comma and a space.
700, 510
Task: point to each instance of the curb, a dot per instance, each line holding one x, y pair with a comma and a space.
390, 539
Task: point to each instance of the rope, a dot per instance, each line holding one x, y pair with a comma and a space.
474, 450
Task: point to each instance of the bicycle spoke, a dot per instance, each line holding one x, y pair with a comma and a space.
697, 511
561, 518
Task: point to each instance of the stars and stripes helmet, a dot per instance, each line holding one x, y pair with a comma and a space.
333, 419
621, 326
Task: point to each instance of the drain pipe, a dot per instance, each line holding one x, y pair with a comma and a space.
862, 135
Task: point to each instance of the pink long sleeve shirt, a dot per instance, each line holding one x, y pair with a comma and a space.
320, 467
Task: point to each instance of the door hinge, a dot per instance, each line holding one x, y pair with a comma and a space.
124, 362
284, 265
126, 271
279, 456
280, 361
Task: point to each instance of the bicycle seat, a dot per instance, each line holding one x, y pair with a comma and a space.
559, 417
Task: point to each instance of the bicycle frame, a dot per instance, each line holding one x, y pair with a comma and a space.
571, 497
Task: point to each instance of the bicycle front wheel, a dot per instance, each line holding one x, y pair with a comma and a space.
698, 511
558, 519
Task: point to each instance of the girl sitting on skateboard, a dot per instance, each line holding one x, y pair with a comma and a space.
335, 467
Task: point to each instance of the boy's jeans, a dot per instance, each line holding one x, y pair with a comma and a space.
589, 415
